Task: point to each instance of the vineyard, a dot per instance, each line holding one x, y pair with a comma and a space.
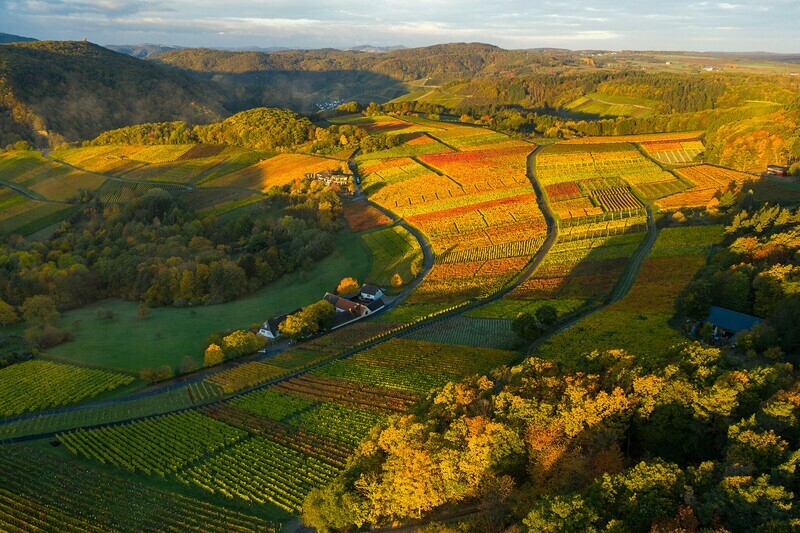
644, 312
674, 152
43, 178
275, 171
36, 385
117, 192
44, 493
583, 181
709, 182
19, 214
469, 331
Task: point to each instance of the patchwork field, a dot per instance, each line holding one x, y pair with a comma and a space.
676, 152
475, 206
587, 180
19, 214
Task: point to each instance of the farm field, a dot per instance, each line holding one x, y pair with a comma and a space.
678, 152
592, 181
470, 331
607, 105
475, 206
44, 178
171, 333
44, 492
36, 385
709, 181
361, 216
644, 313
19, 214
394, 252
278, 170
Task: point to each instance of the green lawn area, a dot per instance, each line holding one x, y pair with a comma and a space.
395, 251
169, 334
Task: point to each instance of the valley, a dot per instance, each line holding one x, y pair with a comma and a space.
548, 239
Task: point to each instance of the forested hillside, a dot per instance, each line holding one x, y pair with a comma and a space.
75, 90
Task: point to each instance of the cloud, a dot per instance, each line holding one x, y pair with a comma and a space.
613, 24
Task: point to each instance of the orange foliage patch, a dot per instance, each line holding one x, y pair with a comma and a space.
278, 170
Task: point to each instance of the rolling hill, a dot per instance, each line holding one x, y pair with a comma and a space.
74, 90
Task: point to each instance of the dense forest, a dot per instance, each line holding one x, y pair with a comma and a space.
52, 91
691, 439
258, 129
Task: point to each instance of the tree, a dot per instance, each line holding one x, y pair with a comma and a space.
397, 280
694, 300
526, 327
7, 314
308, 320
547, 315
213, 355
348, 286
142, 312
39, 310
241, 342
154, 374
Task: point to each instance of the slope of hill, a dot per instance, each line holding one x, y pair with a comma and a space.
75, 90
10, 38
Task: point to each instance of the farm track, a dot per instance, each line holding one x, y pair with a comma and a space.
28, 194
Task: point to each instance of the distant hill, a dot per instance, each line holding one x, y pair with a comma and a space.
446, 61
75, 90
9, 38
141, 51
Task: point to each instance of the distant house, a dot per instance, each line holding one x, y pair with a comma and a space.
777, 170
329, 177
370, 292
728, 323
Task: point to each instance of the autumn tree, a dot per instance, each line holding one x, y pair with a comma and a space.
348, 286
308, 320
213, 355
7, 314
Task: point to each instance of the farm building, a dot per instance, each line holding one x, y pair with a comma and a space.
728, 323
343, 305
777, 170
370, 292
328, 177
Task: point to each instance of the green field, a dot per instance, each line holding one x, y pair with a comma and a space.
607, 105
19, 214
394, 251
169, 334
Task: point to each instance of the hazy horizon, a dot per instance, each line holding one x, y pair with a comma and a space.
512, 24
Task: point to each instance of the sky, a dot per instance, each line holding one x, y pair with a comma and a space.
763, 25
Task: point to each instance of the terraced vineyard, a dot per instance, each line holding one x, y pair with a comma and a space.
43, 178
